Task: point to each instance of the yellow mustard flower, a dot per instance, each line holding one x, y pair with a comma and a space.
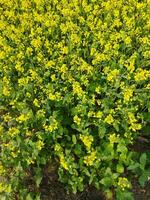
36, 102
132, 118
99, 114
22, 118
6, 91
87, 140
77, 120
39, 144
112, 75
123, 183
109, 119
113, 138
135, 126
53, 77
63, 163
141, 75
13, 131
5, 188
2, 169
128, 93
77, 89
89, 160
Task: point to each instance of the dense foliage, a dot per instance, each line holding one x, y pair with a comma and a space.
74, 89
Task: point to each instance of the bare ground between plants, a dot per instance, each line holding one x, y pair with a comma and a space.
55, 191
52, 189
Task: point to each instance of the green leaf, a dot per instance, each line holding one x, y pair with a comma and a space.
143, 159
144, 177
101, 131
38, 177
134, 166
120, 168
74, 140
107, 181
120, 195
28, 197
38, 180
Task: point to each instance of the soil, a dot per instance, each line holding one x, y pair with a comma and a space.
52, 189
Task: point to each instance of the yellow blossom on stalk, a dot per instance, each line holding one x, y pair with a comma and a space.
127, 40
28, 133
112, 75
36, 102
87, 140
30, 161
65, 50
2, 169
77, 89
141, 75
63, 68
109, 119
34, 74
39, 144
123, 183
99, 114
22, 118
63, 163
128, 93
36, 43
89, 160
23, 81
131, 118
19, 68
57, 147
135, 126
13, 131
6, 91
91, 113
106, 70
77, 120
49, 64
98, 89
14, 154
52, 96
148, 86
113, 138
7, 118
53, 77
5, 188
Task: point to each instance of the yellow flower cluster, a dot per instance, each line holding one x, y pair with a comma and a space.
132, 120
5, 188
63, 163
77, 89
113, 138
77, 120
113, 75
89, 160
39, 144
87, 140
53, 125
123, 183
22, 118
109, 119
69, 69
128, 93
141, 75
13, 131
